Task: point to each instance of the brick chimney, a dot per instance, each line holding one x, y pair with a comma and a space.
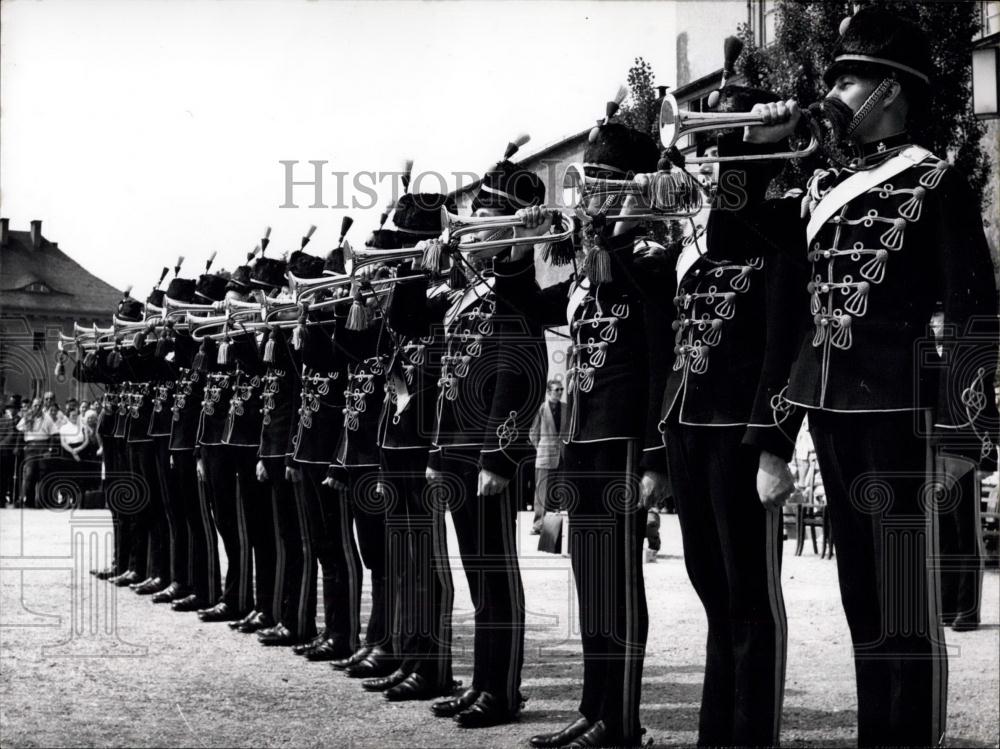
4, 228
36, 234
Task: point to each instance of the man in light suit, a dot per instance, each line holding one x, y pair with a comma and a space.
548, 432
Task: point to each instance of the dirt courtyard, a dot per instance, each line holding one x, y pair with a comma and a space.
85, 664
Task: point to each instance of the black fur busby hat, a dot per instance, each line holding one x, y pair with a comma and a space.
130, 310
508, 187
268, 273
155, 298
617, 149
211, 287
419, 214
303, 265
182, 289
384, 239
240, 279
885, 42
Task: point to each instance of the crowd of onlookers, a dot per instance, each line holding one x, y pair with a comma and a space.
38, 439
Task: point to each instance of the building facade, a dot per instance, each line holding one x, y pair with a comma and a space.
42, 292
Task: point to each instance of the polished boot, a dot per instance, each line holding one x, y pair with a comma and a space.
151, 586
416, 687
256, 623
188, 603
486, 711
383, 682
356, 657
328, 650
139, 584
172, 592
599, 735
315, 642
220, 612
128, 577
244, 620
452, 706
104, 574
560, 738
376, 663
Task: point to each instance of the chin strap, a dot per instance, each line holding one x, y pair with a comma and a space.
869, 104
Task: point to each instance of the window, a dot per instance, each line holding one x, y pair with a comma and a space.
990, 10
37, 287
764, 20
38, 340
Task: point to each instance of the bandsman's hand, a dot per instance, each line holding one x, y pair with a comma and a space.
491, 484
432, 476
335, 484
293, 474
261, 471
199, 469
780, 120
774, 481
653, 488
536, 222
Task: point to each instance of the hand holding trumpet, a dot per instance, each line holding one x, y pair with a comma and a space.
780, 119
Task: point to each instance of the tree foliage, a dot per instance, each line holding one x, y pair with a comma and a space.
639, 110
807, 33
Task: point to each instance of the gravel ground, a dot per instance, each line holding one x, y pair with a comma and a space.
81, 666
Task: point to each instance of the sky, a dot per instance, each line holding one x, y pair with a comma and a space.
138, 130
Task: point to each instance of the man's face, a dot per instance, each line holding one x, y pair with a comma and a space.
854, 90
47, 399
555, 393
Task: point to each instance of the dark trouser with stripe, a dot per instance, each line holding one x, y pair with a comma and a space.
875, 469
732, 551
203, 550
115, 477
486, 532
173, 507
150, 548
220, 476
332, 542
369, 511
298, 605
606, 530
417, 554
258, 512
961, 552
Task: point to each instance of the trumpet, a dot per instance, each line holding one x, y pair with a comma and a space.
675, 123
304, 289
670, 194
457, 227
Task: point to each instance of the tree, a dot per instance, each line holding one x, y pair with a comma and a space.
639, 110
807, 32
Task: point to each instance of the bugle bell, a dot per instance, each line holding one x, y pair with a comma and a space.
666, 194
675, 123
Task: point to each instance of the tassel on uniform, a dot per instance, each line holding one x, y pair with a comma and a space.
197, 364
222, 358
299, 331
60, 371
597, 261
269, 348
358, 318
431, 259
114, 359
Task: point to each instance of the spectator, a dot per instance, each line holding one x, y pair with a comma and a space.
548, 432
38, 429
10, 448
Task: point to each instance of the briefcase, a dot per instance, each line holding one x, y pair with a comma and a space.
550, 539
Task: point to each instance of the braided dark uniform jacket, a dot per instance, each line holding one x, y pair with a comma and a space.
244, 419
279, 397
189, 389
366, 356
878, 266
492, 370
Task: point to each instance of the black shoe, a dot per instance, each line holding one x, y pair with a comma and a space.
560, 738
383, 682
305, 647
328, 650
239, 623
172, 592
376, 663
599, 735
416, 687
106, 573
486, 711
151, 586
356, 657
452, 706
964, 623
279, 634
188, 603
256, 623
128, 577
220, 612
142, 582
